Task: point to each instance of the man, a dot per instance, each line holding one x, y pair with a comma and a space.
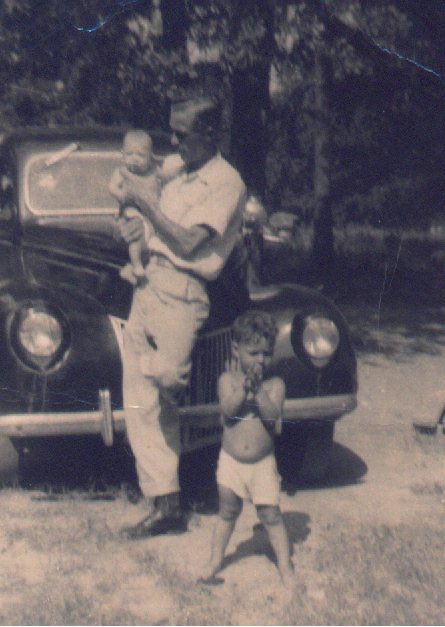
196, 222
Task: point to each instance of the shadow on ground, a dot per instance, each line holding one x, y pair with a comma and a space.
197, 473
88, 468
394, 309
60, 465
346, 468
397, 332
394, 304
297, 525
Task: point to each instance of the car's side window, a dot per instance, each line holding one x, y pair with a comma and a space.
77, 183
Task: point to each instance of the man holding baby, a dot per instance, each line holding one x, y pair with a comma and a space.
194, 226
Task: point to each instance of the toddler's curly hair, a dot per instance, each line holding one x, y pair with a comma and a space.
252, 326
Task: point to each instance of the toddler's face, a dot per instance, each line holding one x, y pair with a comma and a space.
137, 154
254, 355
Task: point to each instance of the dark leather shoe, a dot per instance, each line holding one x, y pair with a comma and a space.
154, 525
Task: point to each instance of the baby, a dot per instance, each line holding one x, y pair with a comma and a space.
138, 159
251, 408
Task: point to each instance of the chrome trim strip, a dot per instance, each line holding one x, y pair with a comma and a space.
92, 422
70, 423
319, 407
118, 326
107, 431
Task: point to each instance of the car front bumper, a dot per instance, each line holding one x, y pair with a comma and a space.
199, 423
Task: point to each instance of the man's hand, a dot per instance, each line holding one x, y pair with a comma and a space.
140, 191
143, 192
115, 185
131, 230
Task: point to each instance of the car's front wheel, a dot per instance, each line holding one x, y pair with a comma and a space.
304, 451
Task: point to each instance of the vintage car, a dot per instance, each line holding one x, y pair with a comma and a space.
63, 308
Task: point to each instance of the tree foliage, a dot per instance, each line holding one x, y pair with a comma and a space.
335, 104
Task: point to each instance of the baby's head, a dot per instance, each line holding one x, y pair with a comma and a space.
253, 340
137, 151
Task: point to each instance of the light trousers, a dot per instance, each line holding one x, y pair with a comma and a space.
165, 317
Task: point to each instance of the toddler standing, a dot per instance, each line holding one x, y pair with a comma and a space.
251, 407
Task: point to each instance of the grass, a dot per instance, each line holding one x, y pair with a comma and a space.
386, 577
64, 564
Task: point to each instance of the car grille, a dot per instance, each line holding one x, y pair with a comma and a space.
211, 357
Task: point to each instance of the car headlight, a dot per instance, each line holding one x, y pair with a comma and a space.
38, 335
320, 339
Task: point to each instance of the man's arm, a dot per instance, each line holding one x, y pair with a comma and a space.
182, 241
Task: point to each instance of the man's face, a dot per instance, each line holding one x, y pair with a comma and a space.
137, 154
192, 146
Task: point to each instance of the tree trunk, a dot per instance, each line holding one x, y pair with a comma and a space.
251, 104
323, 244
174, 23
250, 98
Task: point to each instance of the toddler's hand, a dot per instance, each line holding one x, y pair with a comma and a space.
254, 377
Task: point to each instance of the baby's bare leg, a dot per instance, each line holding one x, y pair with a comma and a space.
126, 273
272, 519
135, 252
230, 506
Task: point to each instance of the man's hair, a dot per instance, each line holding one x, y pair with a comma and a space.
139, 133
254, 325
203, 112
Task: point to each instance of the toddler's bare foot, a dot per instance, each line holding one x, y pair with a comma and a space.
209, 576
288, 577
211, 581
127, 274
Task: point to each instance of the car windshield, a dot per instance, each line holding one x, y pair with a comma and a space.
70, 182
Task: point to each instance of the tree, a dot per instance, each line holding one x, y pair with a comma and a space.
312, 51
325, 116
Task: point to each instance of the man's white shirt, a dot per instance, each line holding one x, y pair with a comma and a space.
213, 197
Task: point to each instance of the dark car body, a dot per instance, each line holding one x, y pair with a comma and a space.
63, 306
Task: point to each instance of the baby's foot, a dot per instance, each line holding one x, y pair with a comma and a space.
127, 274
138, 271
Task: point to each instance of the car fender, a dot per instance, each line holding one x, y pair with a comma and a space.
289, 302
91, 361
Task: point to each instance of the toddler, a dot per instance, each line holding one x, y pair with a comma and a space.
251, 408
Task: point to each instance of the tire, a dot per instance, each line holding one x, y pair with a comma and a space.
9, 463
304, 451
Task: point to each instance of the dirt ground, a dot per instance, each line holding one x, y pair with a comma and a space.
368, 545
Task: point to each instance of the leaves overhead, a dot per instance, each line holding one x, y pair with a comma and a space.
112, 62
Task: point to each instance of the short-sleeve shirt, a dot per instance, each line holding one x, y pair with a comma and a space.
213, 197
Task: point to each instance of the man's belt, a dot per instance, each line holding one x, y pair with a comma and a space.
161, 260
